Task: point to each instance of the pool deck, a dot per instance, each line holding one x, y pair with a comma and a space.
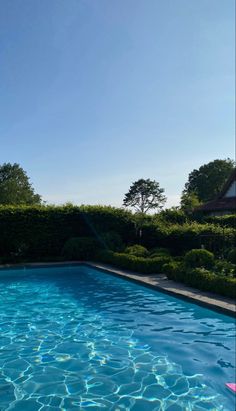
155, 281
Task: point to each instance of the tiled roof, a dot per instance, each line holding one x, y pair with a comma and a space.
221, 204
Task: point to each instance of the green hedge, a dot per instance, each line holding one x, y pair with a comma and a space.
133, 263
80, 248
201, 279
181, 238
43, 230
224, 221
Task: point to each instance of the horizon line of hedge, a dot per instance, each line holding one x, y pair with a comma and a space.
43, 230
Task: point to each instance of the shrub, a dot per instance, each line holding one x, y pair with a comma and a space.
173, 270
158, 251
80, 248
111, 241
45, 229
202, 279
226, 268
181, 238
133, 263
137, 250
172, 216
199, 258
232, 255
224, 221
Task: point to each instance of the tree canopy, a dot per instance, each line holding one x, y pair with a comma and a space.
145, 195
207, 182
15, 188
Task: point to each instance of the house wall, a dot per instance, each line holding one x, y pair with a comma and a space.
231, 191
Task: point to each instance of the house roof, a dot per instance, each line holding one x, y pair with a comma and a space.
222, 203
228, 183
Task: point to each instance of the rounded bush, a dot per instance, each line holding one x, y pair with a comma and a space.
137, 250
232, 255
173, 270
198, 258
80, 248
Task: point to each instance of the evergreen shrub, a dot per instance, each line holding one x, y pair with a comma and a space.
133, 263
137, 250
199, 258
201, 279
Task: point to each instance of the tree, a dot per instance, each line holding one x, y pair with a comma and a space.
15, 188
189, 201
207, 182
145, 195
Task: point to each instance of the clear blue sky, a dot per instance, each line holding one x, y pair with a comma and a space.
96, 94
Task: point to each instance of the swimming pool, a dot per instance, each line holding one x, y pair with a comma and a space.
75, 338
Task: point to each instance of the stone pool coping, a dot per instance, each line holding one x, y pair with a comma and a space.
157, 282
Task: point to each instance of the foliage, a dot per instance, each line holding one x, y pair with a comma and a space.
207, 182
80, 248
37, 232
173, 270
133, 263
181, 238
172, 216
225, 268
145, 195
189, 202
137, 250
158, 251
223, 221
199, 258
45, 229
202, 279
111, 241
232, 255
15, 187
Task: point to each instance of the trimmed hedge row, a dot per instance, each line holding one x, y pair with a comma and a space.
201, 279
43, 230
224, 221
180, 238
132, 263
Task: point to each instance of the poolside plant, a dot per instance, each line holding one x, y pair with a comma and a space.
159, 251
199, 258
130, 262
225, 268
201, 279
137, 250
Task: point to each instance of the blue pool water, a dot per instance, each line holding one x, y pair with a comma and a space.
74, 338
